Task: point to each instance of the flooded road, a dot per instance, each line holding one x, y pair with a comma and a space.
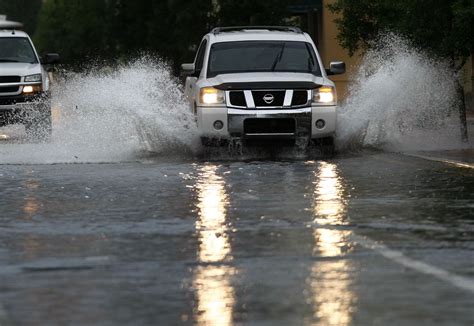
365, 239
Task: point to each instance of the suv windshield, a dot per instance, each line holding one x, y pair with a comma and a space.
262, 56
16, 49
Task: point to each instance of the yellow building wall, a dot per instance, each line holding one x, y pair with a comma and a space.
330, 50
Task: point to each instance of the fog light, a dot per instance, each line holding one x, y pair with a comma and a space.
30, 89
320, 124
218, 125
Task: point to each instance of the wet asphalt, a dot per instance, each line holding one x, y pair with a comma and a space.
368, 238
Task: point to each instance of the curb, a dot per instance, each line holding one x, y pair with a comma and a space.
442, 160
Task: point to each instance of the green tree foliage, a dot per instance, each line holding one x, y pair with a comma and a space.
251, 12
442, 27
76, 29
114, 29
171, 29
25, 11
177, 27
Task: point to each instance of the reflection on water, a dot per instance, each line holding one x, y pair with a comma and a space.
332, 297
211, 224
30, 242
31, 205
329, 204
212, 281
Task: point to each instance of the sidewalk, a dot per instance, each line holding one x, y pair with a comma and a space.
462, 157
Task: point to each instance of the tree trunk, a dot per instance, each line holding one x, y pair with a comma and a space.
472, 81
462, 111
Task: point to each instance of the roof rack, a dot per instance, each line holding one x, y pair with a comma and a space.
218, 30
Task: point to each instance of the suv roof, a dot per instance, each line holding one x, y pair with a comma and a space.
218, 30
258, 33
12, 33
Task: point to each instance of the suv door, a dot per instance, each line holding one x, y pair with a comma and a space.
191, 80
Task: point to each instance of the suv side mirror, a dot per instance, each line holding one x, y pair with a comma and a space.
188, 69
50, 58
336, 68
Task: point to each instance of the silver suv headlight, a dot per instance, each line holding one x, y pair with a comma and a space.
33, 78
211, 95
325, 95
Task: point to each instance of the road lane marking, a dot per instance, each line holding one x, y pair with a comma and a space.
398, 257
442, 160
329, 209
396, 160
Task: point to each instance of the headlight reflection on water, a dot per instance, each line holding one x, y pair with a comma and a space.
212, 281
330, 280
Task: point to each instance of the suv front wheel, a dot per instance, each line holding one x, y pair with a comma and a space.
326, 146
38, 124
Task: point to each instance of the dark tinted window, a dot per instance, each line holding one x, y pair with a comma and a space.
16, 49
262, 56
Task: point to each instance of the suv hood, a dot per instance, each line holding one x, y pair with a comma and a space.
19, 69
270, 77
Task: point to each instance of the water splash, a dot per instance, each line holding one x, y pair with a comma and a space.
113, 115
402, 100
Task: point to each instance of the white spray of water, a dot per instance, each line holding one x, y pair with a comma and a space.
113, 116
402, 100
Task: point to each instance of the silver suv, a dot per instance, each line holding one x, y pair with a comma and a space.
24, 83
261, 83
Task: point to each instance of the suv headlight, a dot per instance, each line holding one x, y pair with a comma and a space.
324, 95
33, 78
211, 95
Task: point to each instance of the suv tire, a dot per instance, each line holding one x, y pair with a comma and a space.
326, 146
38, 124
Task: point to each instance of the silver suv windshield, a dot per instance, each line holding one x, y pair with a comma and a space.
16, 49
262, 56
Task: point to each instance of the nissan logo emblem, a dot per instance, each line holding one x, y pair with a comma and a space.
269, 98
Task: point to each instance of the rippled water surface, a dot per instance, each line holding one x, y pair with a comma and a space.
259, 242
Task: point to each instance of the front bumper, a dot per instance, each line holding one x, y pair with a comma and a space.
233, 121
16, 109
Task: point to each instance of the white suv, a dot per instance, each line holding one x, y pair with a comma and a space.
261, 83
24, 83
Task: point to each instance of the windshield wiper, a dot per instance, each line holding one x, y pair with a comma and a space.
278, 57
8, 60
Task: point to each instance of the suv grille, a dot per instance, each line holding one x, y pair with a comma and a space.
300, 98
237, 98
9, 89
268, 98
10, 79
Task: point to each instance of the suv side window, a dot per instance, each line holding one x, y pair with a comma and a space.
200, 55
